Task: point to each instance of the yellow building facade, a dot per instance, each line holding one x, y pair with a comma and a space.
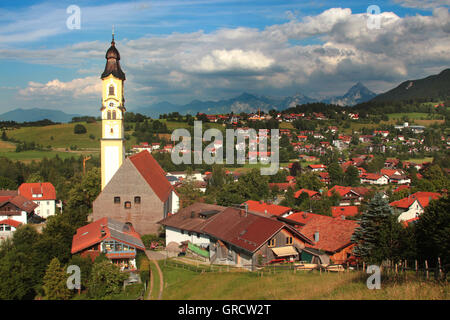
113, 110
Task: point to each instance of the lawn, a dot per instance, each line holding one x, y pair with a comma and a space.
286, 285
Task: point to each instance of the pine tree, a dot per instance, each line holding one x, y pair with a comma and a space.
377, 228
55, 282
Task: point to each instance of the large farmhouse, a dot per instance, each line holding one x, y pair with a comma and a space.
138, 193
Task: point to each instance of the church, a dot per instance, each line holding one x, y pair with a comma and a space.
135, 190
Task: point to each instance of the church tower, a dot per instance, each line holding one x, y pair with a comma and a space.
113, 110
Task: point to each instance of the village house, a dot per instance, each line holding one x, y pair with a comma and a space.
118, 241
348, 196
317, 167
15, 210
41, 193
414, 205
234, 236
374, 178
138, 193
331, 238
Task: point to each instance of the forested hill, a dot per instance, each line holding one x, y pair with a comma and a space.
431, 88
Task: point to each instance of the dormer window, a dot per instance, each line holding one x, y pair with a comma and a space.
111, 90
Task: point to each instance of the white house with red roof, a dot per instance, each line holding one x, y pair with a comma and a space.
41, 193
15, 210
413, 206
374, 178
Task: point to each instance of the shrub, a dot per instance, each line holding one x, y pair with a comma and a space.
79, 129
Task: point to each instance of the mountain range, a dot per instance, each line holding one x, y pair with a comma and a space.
434, 87
36, 114
247, 102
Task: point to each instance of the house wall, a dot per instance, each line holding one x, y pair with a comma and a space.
126, 184
46, 208
178, 236
341, 256
413, 211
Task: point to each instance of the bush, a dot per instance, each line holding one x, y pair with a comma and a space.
79, 129
147, 239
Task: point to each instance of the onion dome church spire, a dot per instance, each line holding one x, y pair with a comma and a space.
112, 62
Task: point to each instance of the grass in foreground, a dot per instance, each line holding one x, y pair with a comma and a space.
303, 285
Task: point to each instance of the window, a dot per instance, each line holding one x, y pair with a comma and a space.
109, 115
116, 199
111, 90
7, 227
114, 114
137, 200
272, 242
127, 205
289, 240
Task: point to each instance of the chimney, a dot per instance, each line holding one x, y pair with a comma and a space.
304, 214
316, 236
192, 214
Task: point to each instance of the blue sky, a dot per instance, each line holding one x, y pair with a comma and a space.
181, 50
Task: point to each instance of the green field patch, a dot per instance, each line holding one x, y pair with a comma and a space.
60, 135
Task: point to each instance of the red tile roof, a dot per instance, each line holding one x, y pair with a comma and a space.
282, 185
91, 234
271, 209
247, 231
152, 172
347, 211
11, 222
334, 234
309, 192
340, 190
46, 189
424, 199
19, 201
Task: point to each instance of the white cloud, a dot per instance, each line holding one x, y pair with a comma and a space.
77, 88
230, 60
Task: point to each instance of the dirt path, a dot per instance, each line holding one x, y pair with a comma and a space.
152, 259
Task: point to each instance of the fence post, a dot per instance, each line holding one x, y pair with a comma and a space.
417, 270
426, 268
440, 269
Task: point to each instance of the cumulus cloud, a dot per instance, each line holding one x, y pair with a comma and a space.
77, 88
229, 60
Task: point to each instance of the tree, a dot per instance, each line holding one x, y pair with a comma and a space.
7, 184
35, 177
433, 233
79, 129
4, 136
309, 181
376, 238
336, 174
230, 195
351, 177
189, 193
106, 279
55, 282
83, 194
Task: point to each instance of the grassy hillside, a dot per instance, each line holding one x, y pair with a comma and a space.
60, 135
189, 285
435, 87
